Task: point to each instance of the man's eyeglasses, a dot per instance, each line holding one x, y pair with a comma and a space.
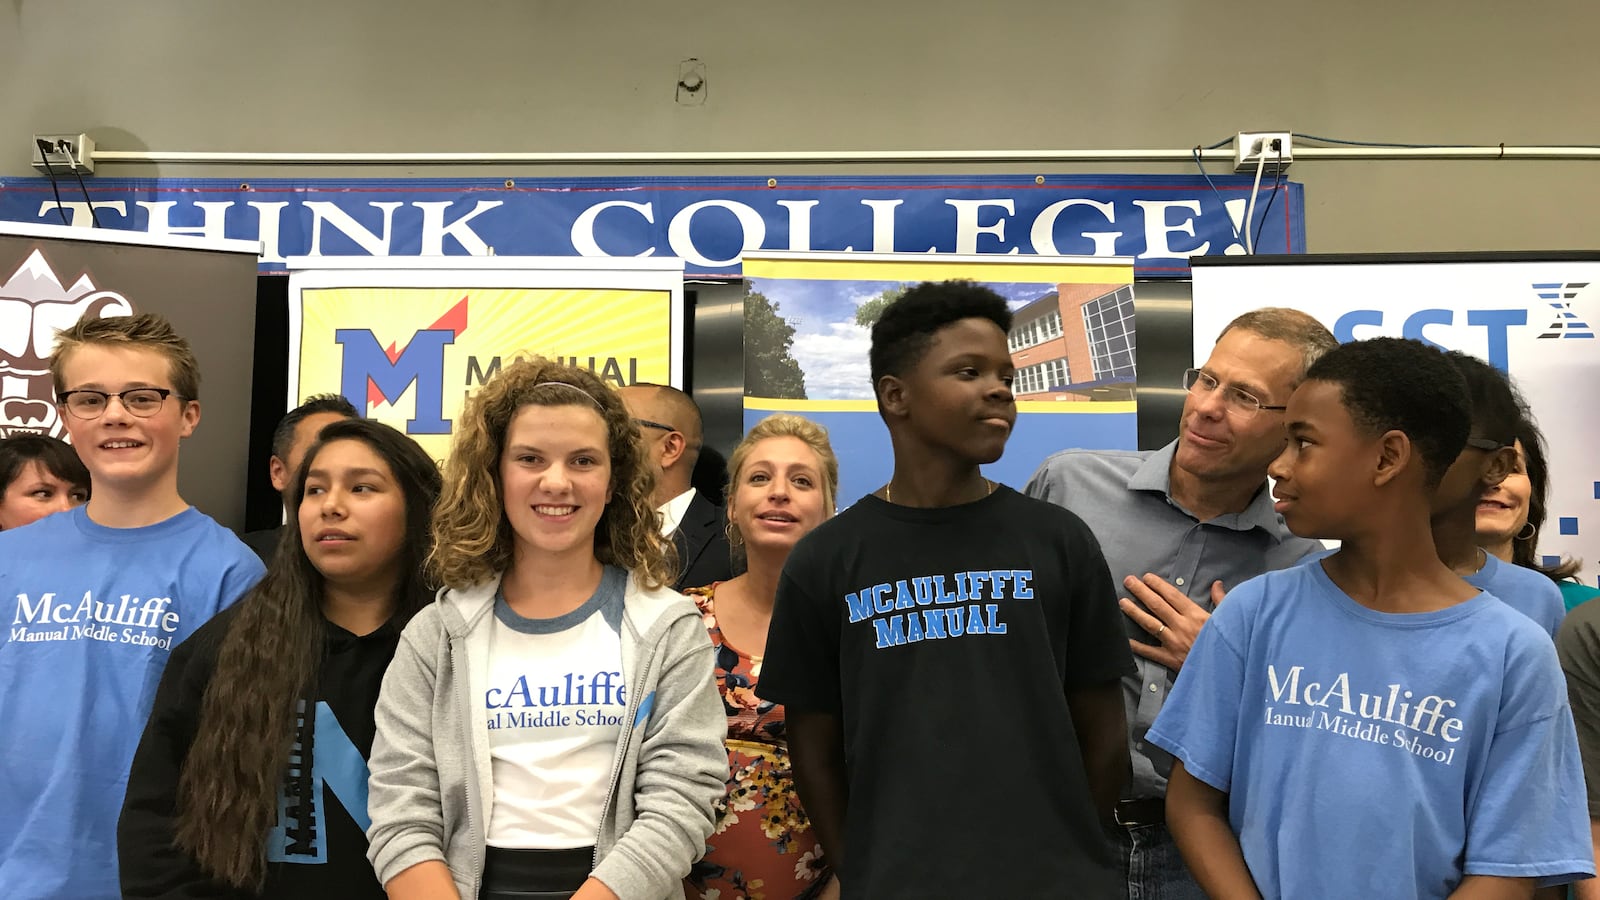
142, 402
1241, 403
656, 425
1488, 445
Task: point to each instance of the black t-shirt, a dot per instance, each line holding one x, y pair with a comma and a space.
317, 848
946, 639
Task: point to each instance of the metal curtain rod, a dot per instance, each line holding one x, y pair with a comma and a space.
1300, 152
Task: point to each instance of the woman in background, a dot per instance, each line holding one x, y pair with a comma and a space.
1510, 516
39, 475
783, 483
251, 777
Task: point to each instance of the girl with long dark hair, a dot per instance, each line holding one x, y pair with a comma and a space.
549, 727
251, 777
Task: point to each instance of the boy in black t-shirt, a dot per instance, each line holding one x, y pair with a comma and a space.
948, 650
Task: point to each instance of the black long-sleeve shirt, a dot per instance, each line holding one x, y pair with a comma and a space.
318, 847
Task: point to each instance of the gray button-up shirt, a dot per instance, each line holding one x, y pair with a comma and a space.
1124, 497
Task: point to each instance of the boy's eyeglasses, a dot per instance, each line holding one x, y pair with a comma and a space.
142, 402
657, 425
1241, 403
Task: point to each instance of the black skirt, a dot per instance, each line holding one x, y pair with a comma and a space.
535, 874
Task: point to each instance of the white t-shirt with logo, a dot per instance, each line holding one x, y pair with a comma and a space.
555, 707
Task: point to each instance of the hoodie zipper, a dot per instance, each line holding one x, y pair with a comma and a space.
472, 769
622, 746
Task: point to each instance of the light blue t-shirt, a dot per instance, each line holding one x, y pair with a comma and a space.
1528, 592
91, 614
1369, 754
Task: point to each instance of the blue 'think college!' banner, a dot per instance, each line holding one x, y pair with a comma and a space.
709, 222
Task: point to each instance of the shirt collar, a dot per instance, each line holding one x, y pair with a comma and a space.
1155, 475
339, 638
673, 510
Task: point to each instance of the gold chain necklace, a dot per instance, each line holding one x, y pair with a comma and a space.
888, 495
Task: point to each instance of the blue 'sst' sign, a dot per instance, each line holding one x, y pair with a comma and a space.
1496, 323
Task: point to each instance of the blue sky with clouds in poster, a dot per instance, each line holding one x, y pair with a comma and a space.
828, 344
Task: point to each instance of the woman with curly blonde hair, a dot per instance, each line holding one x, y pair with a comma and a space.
549, 727
783, 481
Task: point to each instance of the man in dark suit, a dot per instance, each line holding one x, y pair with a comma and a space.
669, 424
295, 434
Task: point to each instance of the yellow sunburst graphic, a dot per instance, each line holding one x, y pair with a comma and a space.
385, 348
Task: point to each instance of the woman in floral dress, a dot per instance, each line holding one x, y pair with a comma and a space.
784, 478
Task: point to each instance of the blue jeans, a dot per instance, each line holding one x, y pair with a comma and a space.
1151, 865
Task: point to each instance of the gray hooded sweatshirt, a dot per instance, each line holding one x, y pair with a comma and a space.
432, 785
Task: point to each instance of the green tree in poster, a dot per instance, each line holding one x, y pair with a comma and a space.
867, 313
769, 369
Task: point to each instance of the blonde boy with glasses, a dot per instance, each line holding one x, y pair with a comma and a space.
94, 599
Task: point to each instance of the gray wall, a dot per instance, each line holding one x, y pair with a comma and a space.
829, 74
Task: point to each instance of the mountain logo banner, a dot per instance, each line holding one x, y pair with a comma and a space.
51, 276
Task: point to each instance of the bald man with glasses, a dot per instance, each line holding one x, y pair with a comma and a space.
1179, 527
670, 428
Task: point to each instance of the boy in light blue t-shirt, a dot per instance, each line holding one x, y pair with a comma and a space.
94, 600
1371, 725
1487, 458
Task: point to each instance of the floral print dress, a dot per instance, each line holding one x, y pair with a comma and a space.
763, 847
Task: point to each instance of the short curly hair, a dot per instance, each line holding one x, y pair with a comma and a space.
1398, 384
1496, 403
902, 335
472, 538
